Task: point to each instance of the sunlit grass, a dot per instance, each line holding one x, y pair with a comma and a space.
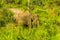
49, 28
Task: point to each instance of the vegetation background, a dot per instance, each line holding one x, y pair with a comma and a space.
49, 16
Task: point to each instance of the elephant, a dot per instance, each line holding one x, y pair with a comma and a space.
25, 18
35, 20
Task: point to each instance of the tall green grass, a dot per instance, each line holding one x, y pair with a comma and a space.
49, 17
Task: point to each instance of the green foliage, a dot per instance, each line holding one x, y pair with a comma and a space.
5, 17
49, 16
